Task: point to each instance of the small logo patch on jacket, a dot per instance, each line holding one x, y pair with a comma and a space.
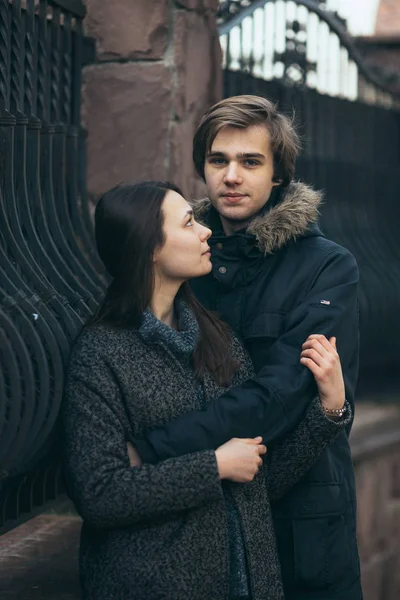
325, 302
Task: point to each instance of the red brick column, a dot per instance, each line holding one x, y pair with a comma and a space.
157, 70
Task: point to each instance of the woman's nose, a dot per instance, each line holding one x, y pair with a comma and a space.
205, 233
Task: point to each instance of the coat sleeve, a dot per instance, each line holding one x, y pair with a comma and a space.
290, 459
107, 492
273, 402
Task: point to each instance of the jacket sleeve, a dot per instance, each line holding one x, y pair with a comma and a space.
291, 458
107, 492
273, 402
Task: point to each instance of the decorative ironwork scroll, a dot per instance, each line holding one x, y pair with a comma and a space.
301, 42
50, 278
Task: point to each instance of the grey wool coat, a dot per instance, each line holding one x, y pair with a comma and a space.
159, 532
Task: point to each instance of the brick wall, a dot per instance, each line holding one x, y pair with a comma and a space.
157, 70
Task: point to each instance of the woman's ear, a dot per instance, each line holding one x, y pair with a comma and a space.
276, 182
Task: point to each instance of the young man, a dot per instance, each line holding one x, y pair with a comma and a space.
276, 279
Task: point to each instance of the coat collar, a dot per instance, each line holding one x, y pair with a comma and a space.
295, 213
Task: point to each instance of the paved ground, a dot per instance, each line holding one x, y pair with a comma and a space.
38, 560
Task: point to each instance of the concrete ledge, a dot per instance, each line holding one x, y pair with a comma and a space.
39, 560
375, 445
376, 429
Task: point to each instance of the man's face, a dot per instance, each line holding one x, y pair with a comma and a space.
238, 171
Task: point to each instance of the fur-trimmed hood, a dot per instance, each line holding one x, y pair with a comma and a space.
289, 219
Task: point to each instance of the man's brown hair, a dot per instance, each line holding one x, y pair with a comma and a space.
242, 112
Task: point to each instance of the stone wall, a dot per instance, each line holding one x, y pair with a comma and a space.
388, 18
382, 49
382, 53
157, 69
375, 444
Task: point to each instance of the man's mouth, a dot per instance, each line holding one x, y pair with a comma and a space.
233, 196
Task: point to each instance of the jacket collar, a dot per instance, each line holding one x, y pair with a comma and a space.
294, 215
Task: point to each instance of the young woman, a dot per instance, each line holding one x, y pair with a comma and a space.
196, 527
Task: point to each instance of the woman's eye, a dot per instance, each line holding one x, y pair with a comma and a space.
189, 223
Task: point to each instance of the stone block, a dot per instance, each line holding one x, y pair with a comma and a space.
378, 504
372, 580
198, 5
391, 577
197, 60
39, 559
383, 539
189, 4
395, 475
181, 164
366, 509
212, 5
395, 521
126, 109
126, 29
197, 86
199, 189
375, 514
388, 18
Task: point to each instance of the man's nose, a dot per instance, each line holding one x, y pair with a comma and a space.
232, 174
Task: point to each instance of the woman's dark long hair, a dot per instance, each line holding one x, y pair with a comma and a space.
129, 224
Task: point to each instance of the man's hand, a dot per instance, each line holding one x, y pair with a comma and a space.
134, 457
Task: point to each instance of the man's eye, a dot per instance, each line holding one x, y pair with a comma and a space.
251, 163
217, 161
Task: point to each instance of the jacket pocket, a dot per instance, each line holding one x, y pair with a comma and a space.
316, 538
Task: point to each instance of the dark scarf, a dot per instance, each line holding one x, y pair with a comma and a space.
181, 342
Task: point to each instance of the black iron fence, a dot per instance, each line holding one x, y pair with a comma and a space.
302, 43
351, 149
49, 275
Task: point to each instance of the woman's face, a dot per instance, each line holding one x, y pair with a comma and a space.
185, 253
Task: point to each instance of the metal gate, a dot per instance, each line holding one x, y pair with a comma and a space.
50, 279
349, 122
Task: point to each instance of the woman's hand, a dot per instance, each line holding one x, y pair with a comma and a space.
240, 459
134, 457
321, 357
